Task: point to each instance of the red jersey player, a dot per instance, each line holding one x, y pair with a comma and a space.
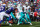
35, 15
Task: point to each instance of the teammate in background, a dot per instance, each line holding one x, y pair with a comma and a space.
26, 10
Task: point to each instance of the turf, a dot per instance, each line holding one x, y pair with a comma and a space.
35, 24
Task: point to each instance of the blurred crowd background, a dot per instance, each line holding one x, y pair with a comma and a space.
35, 6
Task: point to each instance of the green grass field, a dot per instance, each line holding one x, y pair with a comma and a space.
35, 24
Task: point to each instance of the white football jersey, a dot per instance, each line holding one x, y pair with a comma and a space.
19, 8
26, 9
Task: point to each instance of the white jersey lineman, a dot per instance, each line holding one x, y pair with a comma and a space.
19, 8
26, 9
